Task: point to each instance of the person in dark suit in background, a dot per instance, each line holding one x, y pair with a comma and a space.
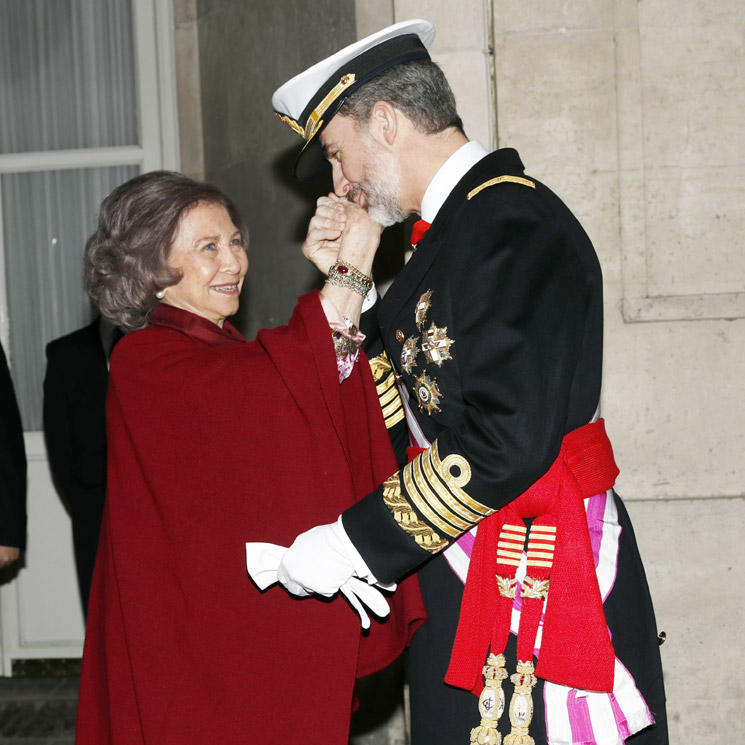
75, 432
12, 471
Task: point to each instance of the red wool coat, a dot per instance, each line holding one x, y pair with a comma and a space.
214, 442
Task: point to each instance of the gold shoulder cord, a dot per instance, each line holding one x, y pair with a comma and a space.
501, 180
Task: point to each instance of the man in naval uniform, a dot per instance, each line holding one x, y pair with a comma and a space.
487, 352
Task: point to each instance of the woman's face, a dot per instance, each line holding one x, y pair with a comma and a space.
209, 253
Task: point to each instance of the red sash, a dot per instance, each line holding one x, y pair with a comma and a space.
575, 649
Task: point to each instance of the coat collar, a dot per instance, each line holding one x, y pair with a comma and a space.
167, 316
501, 162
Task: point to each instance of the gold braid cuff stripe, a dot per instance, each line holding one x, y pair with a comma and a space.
407, 518
387, 396
427, 504
422, 505
454, 483
393, 415
390, 398
444, 493
500, 180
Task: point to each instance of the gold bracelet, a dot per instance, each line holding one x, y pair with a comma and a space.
343, 274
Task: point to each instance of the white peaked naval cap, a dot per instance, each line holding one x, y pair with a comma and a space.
307, 102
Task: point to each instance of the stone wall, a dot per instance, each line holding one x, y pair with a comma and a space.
631, 110
634, 113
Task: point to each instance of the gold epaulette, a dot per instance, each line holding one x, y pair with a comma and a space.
385, 384
501, 180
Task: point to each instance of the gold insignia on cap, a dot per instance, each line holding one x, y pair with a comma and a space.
436, 345
408, 353
501, 180
422, 307
399, 335
407, 519
427, 394
292, 124
314, 120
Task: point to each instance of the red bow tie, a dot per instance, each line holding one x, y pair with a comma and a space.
418, 231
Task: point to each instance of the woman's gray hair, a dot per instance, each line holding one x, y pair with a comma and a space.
418, 88
127, 256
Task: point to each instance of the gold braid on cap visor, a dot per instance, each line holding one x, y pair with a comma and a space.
314, 120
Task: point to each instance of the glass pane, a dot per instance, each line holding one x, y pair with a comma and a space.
67, 75
47, 218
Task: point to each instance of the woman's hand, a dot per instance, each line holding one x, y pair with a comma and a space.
360, 239
323, 241
342, 230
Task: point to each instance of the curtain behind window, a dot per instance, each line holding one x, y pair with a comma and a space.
67, 82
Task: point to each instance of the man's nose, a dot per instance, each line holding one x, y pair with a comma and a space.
341, 184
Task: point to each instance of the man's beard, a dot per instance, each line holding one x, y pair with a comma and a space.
381, 185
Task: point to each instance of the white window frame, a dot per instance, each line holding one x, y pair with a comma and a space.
159, 148
158, 123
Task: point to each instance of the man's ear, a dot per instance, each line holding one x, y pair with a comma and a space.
384, 122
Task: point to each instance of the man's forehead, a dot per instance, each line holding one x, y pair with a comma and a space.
335, 132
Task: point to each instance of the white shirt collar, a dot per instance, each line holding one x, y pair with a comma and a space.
450, 173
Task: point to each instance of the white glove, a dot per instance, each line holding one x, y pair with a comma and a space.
323, 559
262, 562
317, 562
355, 590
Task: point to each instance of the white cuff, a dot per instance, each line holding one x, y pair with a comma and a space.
370, 299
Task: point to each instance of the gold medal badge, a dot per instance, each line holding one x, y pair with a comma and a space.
427, 394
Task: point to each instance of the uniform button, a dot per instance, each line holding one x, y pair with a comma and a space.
400, 336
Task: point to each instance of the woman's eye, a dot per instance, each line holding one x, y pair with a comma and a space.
210, 247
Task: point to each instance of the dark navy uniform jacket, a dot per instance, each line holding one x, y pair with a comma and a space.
495, 328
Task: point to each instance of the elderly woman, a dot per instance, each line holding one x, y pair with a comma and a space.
213, 442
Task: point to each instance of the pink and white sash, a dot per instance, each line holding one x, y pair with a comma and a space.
573, 717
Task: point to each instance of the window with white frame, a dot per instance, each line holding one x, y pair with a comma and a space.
87, 101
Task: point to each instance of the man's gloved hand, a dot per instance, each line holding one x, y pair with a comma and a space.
355, 590
317, 562
262, 562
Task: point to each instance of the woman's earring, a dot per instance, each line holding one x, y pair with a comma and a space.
160, 294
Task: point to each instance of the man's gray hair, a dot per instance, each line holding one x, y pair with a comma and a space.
419, 89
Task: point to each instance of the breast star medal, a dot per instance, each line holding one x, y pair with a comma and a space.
408, 353
428, 395
421, 308
436, 345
